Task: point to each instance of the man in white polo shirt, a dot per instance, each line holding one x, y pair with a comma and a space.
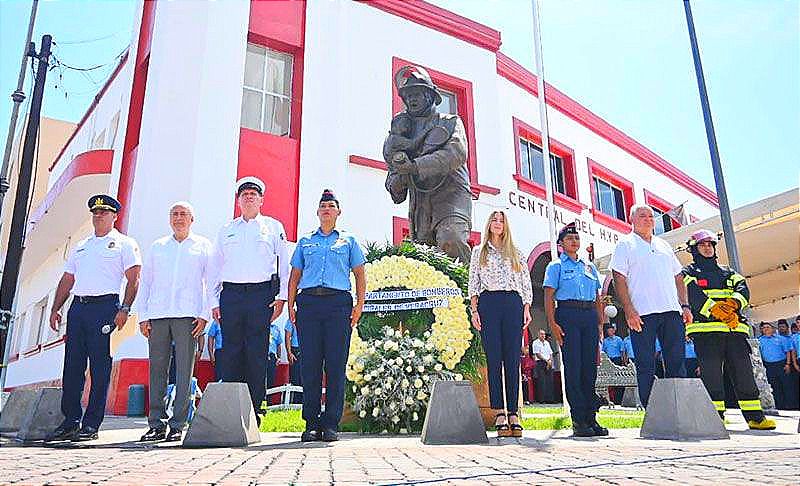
649, 283
173, 308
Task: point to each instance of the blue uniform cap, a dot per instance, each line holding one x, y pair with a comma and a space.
569, 229
103, 201
328, 195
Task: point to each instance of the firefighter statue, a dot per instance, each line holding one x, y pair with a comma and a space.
718, 296
426, 154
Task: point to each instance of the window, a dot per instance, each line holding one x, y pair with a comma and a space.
267, 101
19, 329
449, 103
663, 221
609, 199
530, 167
612, 197
99, 140
38, 316
661, 210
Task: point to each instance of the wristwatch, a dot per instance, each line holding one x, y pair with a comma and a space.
686, 306
124, 308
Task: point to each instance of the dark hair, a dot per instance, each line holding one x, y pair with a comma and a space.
782, 321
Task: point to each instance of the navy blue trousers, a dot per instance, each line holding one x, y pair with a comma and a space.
245, 323
323, 326
501, 333
775, 378
86, 341
581, 339
671, 332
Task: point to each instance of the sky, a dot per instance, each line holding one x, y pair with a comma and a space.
629, 61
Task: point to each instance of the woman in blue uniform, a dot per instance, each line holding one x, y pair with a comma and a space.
573, 309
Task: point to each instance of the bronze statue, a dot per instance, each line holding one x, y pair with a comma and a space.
426, 153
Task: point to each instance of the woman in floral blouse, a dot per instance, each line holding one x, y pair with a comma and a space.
500, 295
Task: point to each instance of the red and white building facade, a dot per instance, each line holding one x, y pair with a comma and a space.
300, 94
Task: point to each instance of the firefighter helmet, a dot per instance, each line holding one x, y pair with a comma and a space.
409, 76
700, 236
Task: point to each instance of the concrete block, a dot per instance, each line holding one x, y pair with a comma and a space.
681, 409
15, 409
453, 416
631, 398
224, 418
43, 416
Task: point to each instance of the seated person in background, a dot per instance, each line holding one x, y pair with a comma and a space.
527, 364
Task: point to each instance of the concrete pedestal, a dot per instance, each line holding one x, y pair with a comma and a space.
453, 416
681, 409
224, 418
43, 416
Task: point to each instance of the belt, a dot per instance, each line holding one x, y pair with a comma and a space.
322, 291
577, 304
88, 299
246, 287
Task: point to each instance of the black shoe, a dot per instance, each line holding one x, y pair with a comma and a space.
329, 435
86, 433
258, 420
174, 435
63, 432
581, 430
310, 435
153, 435
599, 430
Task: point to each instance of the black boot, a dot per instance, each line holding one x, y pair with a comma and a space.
582, 429
597, 429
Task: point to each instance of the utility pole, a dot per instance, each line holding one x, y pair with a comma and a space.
18, 96
19, 217
716, 166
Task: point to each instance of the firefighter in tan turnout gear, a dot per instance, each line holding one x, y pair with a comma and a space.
717, 296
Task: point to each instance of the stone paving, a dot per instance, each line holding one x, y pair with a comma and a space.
540, 457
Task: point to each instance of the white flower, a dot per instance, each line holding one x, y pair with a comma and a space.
376, 411
365, 391
395, 419
459, 377
368, 377
362, 413
399, 361
409, 369
411, 354
403, 431
415, 416
409, 401
438, 367
421, 395
417, 383
428, 359
378, 390
388, 345
421, 369
392, 406
426, 378
404, 384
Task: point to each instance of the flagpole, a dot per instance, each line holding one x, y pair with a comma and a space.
716, 165
548, 178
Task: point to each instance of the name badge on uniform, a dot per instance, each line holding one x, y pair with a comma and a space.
111, 244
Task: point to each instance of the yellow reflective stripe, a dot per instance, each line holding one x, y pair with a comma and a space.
706, 309
689, 279
735, 278
718, 293
716, 327
740, 299
719, 405
750, 404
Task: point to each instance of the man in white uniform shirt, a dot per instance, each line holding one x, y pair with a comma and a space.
648, 280
250, 275
93, 274
173, 308
543, 354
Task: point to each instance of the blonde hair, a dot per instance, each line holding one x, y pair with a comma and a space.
507, 248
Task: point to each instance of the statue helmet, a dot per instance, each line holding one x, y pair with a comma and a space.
409, 76
700, 236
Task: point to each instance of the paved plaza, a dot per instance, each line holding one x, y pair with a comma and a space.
540, 457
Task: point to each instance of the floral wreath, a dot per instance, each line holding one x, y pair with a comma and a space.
395, 356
